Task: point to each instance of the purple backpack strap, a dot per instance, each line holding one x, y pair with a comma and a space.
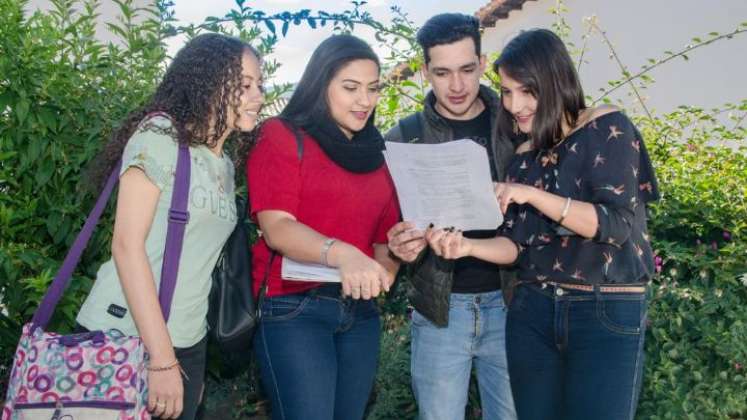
178, 217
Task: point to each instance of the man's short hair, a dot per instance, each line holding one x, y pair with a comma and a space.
448, 28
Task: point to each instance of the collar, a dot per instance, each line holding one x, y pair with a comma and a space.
487, 95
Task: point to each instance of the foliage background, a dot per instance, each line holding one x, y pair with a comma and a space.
62, 92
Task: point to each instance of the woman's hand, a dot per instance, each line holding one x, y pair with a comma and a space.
362, 276
405, 241
136, 206
448, 243
510, 192
165, 393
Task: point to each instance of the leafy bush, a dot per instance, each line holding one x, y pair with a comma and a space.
61, 91
695, 346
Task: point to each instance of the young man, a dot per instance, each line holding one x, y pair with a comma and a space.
460, 317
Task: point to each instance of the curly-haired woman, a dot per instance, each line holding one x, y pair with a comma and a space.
212, 89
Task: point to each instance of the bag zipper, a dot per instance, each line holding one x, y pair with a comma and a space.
59, 405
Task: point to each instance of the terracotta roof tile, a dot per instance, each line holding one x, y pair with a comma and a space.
488, 15
496, 10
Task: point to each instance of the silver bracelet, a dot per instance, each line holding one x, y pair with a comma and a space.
325, 250
565, 210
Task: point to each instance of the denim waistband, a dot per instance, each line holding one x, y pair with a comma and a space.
558, 292
486, 298
331, 290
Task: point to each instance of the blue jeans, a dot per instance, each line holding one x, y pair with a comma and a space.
442, 359
574, 354
317, 354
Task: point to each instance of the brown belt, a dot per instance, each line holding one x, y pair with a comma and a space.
590, 288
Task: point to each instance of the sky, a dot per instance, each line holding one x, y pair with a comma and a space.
294, 51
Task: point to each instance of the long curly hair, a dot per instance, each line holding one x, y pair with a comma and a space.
200, 87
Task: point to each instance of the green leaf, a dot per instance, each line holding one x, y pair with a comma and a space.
34, 150
22, 110
46, 169
270, 25
47, 117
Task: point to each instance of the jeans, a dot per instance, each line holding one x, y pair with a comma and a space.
442, 359
318, 354
574, 354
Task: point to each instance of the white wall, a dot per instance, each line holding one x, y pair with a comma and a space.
642, 29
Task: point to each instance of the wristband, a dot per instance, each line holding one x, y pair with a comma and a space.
325, 250
565, 210
170, 366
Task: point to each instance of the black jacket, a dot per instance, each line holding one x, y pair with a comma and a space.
431, 276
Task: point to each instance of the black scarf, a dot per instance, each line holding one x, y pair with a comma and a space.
360, 154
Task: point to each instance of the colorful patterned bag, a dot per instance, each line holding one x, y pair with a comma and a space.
94, 375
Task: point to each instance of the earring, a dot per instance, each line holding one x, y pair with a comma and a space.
516, 128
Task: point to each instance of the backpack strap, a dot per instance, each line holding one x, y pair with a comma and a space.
178, 218
411, 128
299, 143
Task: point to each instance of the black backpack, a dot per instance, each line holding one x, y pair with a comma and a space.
234, 311
411, 128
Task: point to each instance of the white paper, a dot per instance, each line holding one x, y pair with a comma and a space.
447, 184
298, 271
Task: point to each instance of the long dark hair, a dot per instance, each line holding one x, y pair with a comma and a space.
201, 85
538, 60
309, 100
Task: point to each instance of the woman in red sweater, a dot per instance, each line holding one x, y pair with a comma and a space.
322, 195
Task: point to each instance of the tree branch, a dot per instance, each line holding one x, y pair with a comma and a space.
622, 67
682, 53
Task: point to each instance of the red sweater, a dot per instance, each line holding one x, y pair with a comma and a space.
356, 208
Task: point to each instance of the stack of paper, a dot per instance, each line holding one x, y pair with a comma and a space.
447, 184
294, 270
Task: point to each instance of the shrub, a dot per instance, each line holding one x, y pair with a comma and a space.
695, 345
61, 92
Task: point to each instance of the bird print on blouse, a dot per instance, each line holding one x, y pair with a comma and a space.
604, 163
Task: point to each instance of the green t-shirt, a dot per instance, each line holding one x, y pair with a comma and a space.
212, 210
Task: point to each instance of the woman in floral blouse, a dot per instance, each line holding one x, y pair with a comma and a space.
575, 228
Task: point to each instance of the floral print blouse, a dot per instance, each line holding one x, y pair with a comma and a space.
604, 163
